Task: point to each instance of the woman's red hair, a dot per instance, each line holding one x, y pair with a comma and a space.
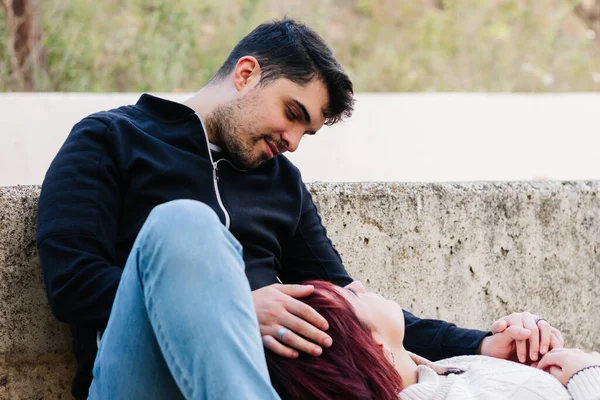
354, 367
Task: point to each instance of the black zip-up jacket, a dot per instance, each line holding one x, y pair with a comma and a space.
116, 166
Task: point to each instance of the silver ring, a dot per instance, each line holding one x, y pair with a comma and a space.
540, 319
281, 332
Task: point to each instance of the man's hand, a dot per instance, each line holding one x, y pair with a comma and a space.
513, 334
277, 307
564, 363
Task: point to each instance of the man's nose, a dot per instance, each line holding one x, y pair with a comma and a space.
292, 139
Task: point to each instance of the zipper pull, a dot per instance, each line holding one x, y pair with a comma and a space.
215, 168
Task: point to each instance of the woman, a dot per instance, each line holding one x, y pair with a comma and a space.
368, 361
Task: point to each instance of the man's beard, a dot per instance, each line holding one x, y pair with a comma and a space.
224, 123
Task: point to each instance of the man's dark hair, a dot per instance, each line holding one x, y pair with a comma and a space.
291, 50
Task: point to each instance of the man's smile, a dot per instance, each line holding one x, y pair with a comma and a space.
272, 149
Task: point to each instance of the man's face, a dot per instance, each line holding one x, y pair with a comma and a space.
263, 122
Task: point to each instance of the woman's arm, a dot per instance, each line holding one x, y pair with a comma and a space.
577, 370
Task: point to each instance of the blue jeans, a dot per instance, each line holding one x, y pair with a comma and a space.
183, 324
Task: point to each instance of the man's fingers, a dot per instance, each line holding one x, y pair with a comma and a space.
545, 333
510, 335
294, 341
521, 350
517, 333
519, 336
307, 313
276, 347
297, 291
555, 343
306, 330
534, 340
560, 342
499, 326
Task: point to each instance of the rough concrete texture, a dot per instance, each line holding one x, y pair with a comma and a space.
45, 377
462, 252
469, 253
35, 351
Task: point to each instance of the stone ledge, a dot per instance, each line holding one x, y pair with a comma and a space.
45, 377
464, 252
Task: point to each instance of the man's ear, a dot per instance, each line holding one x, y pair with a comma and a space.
246, 73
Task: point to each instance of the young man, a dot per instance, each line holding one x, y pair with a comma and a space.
121, 175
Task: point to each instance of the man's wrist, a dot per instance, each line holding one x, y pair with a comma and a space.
479, 348
478, 352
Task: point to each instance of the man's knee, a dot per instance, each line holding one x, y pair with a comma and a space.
186, 232
185, 211
183, 219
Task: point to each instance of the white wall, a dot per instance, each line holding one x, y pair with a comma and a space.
391, 137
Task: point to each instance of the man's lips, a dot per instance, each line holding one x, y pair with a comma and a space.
273, 150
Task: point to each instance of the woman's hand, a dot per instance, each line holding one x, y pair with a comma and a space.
564, 363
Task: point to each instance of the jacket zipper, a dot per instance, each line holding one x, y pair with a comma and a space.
215, 181
215, 176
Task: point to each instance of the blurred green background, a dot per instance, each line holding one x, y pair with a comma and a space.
385, 45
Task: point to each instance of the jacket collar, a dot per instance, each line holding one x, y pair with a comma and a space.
162, 109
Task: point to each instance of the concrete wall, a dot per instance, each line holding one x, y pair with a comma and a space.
420, 137
462, 252
35, 357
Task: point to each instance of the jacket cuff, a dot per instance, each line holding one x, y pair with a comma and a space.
585, 384
462, 342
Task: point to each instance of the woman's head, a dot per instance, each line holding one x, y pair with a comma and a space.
356, 366
384, 317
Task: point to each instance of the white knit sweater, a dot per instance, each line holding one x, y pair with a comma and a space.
495, 379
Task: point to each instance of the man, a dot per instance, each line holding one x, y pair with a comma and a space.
221, 149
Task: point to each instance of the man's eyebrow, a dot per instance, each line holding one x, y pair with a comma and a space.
303, 109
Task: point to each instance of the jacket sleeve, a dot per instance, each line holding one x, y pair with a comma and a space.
311, 256
436, 339
77, 227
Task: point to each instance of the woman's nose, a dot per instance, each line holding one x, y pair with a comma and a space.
358, 287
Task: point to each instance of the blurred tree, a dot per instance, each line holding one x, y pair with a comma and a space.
589, 12
385, 45
439, 4
25, 44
